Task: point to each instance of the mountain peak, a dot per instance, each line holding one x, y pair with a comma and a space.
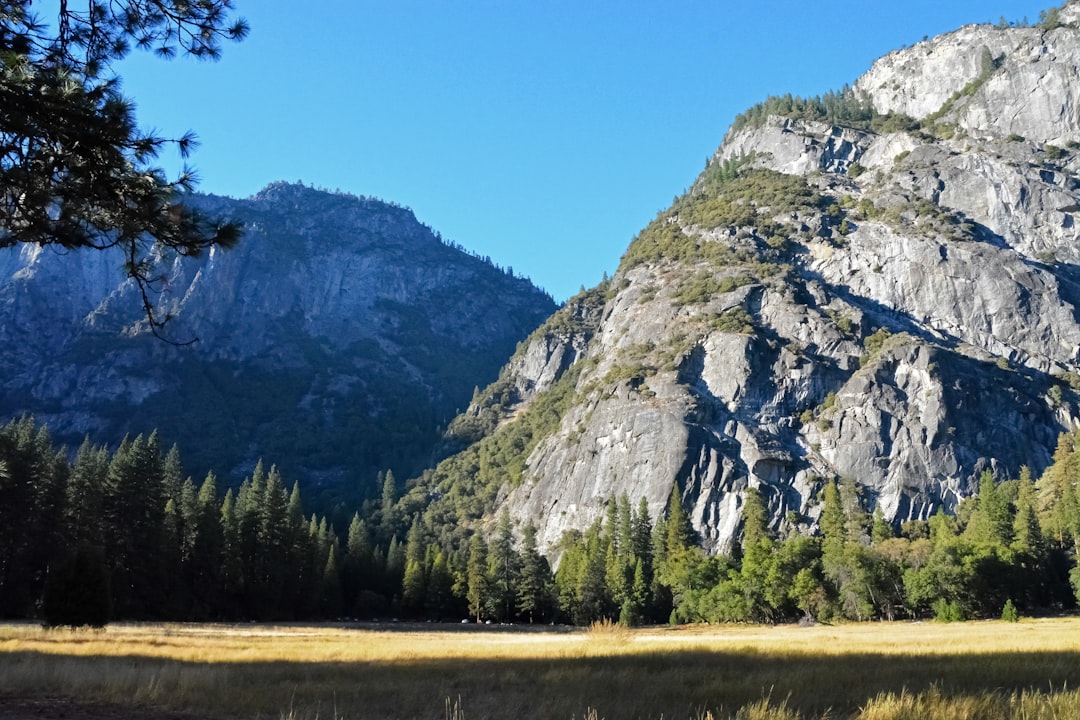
878, 284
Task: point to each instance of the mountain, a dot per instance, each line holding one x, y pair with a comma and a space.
880, 284
335, 340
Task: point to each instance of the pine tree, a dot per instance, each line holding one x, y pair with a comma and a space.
356, 569
680, 533
439, 598
413, 584
204, 571
504, 568
395, 568
273, 558
758, 558
625, 536
534, 586
478, 591
135, 517
388, 517
1027, 535
77, 171
990, 524
833, 533
84, 503
232, 559
594, 602
331, 584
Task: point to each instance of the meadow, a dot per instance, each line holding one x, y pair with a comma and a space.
871, 671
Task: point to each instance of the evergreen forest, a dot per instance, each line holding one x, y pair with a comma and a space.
124, 534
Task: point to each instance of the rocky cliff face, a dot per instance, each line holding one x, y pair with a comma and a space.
890, 297
334, 340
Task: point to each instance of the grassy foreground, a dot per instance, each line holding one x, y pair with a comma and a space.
880, 671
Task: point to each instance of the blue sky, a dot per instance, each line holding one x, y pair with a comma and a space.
544, 134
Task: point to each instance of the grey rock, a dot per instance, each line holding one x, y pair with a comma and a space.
334, 340
910, 340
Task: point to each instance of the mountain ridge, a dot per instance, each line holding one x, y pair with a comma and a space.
335, 314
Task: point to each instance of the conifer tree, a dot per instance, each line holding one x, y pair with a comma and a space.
395, 568
757, 557
84, 503
534, 586
1027, 534
136, 505
478, 592
990, 524
356, 569
504, 568
204, 570
232, 559
439, 596
413, 584
273, 557
331, 584
31, 510
388, 518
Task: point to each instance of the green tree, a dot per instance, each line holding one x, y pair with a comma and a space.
31, 512
413, 584
357, 571
991, 523
84, 502
534, 585
388, 515
504, 568
479, 587
204, 569
75, 170
232, 560
758, 559
135, 514
439, 597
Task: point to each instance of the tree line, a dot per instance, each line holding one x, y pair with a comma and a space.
124, 534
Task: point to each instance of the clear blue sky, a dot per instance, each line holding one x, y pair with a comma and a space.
544, 134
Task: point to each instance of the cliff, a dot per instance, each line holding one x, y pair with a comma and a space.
881, 284
336, 340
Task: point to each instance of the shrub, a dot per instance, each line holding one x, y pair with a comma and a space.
875, 342
947, 611
735, 320
1008, 613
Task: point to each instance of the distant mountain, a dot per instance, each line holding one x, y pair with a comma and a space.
881, 284
336, 340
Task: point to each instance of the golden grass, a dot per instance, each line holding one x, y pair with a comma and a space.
879, 671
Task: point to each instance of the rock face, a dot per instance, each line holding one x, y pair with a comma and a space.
334, 340
891, 298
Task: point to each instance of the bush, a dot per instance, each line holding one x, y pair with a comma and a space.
947, 611
1008, 613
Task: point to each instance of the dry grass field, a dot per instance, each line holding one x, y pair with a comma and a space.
880, 671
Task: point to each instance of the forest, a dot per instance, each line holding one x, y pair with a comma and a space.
124, 534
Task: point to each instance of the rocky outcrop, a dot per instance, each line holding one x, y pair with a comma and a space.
893, 301
335, 340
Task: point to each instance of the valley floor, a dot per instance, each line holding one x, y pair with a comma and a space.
873, 671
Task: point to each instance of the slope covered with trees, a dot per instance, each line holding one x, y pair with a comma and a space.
125, 534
